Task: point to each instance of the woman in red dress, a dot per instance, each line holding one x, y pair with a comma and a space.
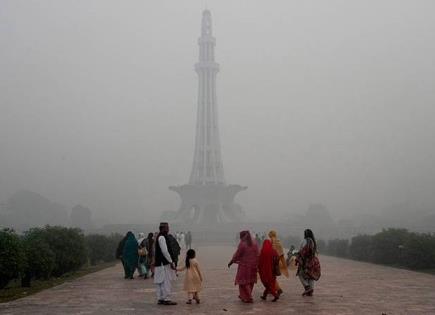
267, 264
246, 257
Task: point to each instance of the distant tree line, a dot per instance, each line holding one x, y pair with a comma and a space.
25, 209
42, 253
392, 247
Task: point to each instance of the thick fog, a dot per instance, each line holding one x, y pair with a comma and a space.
328, 102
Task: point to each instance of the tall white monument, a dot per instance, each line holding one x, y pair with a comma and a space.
207, 198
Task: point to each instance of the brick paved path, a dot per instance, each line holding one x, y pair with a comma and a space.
346, 287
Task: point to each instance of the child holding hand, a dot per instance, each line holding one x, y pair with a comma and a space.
193, 277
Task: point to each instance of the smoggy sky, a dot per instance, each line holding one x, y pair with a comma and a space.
319, 101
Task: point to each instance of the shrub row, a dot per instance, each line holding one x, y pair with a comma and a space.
41, 253
393, 247
101, 248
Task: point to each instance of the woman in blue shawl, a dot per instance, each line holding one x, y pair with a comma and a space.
130, 255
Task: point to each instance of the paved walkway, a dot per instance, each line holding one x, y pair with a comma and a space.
346, 287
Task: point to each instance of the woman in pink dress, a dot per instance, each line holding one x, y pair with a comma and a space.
246, 257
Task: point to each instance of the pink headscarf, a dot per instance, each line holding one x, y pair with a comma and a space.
246, 257
245, 236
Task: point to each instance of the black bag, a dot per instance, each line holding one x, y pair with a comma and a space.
276, 270
174, 248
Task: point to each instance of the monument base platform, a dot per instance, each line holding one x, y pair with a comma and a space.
208, 204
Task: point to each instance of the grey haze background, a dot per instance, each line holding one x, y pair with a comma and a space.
319, 101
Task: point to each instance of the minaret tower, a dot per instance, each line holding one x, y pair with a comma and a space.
207, 199
207, 165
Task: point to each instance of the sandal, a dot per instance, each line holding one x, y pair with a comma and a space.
189, 301
308, 292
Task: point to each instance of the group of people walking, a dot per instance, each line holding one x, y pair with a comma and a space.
136, 254
184, 239
158, 254
270, 263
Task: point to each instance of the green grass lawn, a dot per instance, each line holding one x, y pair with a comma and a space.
14, 290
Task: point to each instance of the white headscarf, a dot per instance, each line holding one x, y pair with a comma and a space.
141, 237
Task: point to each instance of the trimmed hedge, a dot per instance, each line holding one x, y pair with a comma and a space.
12, 258
392, 247
41, 259
338, 247
102, 248
41, 253
68, 246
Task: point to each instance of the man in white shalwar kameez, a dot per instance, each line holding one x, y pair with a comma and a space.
164, 269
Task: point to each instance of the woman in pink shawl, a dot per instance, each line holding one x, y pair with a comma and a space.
246, 257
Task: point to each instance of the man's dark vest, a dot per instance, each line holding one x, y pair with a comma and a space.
160, 259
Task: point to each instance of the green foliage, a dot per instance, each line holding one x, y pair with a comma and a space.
51, 251
12, 258
386, 246
41, 260
418, 251
361, 248
68, 246
102, 248
321, 246
338, 247
393, 247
